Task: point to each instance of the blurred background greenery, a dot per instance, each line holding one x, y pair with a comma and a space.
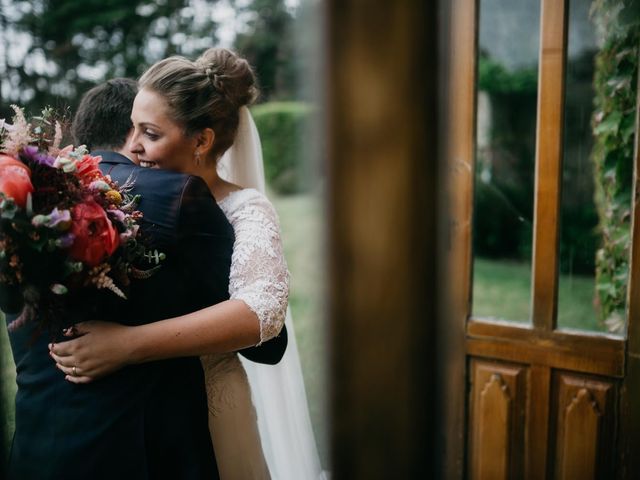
52, 51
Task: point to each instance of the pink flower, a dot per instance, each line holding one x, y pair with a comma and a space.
15, 180
88, 170
65, 151
95, 236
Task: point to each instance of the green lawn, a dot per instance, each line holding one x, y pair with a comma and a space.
7, 383
301, 220
502, 289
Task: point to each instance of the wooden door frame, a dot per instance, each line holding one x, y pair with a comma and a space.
630, 398
460, 108
621, 356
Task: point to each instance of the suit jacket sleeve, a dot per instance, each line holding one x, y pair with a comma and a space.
269, 352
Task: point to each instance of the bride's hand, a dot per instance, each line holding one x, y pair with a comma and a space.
99, 349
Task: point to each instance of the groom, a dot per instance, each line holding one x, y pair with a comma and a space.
146, 421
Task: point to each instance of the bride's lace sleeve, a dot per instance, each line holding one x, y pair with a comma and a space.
259, 274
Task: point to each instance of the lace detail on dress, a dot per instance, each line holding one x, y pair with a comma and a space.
259, 274
218, 369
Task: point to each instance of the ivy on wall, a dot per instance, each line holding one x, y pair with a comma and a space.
613, 123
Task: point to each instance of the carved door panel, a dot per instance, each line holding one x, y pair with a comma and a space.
549, 392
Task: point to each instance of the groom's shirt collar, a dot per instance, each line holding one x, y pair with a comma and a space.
109, 156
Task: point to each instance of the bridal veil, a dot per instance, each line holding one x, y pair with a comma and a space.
278, 391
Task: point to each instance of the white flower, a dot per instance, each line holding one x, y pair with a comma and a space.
19, 135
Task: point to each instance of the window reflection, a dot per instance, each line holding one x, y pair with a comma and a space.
505, 153
596, 178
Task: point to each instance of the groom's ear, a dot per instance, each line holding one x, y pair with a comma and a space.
205, 140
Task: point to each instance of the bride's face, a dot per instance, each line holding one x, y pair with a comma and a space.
157, 140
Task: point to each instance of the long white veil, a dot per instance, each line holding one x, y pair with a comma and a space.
278, 391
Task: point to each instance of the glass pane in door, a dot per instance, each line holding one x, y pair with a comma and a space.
597, 175
509, 35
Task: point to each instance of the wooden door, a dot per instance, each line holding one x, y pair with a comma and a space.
540, 401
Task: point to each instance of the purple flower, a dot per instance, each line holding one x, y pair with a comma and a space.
117, 215
57, 217
30, 151
60, 219
37, 156
65, 241
129, 233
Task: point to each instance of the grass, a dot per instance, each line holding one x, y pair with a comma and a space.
7, 385
301, 221
502, 289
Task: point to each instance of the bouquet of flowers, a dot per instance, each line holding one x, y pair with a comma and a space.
64, 226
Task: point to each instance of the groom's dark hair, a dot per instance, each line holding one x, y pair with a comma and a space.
103, 118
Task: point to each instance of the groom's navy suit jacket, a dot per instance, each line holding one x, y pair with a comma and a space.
149, 420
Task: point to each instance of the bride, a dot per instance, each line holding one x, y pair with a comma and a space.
193, 117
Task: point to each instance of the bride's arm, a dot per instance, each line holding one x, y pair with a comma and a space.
259, 287
104, 347
259, 275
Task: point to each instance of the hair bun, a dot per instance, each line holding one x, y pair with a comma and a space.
207, 93
230, 75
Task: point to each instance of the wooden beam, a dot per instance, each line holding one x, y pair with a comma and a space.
383, 144
576, 340
578, 351
608, 360
630, 397
461, 150
537, 437
549, 146
460, 53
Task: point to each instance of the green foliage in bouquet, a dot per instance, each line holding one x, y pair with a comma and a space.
613, 122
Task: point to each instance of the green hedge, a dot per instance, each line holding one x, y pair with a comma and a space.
493, 77
613, 123
284, 127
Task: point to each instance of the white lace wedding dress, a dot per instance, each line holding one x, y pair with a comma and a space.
260, 278
285, 433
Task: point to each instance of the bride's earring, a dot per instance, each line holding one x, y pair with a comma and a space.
197, 154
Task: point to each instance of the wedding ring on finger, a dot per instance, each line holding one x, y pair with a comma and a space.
74, 371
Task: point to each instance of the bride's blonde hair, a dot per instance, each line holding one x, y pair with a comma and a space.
207, 93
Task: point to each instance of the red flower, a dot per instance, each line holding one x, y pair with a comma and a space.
15, 179
95, 237
88, 170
